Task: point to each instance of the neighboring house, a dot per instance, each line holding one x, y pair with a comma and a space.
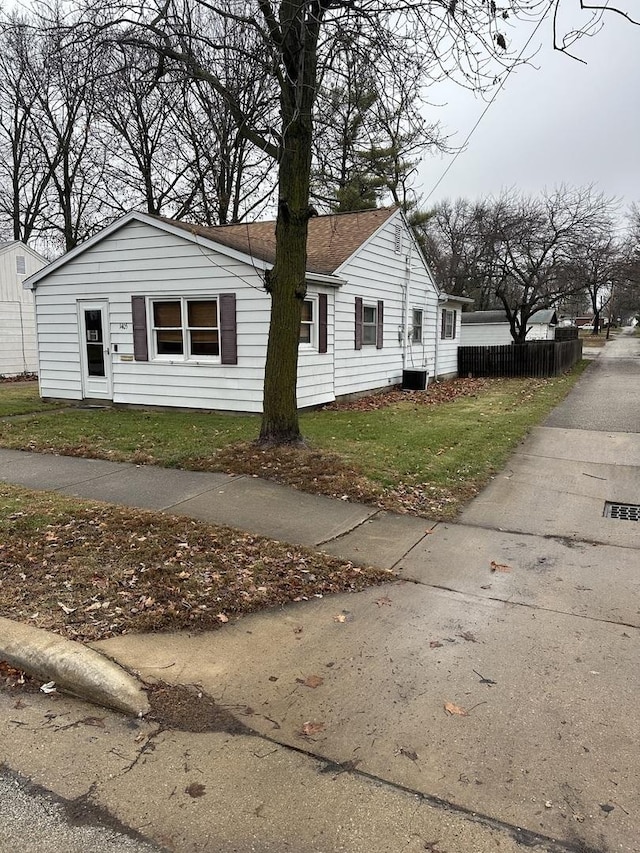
491, 328
157, 312
17, 322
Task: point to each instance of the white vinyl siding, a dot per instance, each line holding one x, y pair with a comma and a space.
142, 260
485, 334
378, 273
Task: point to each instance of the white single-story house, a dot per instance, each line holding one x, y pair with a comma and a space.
18, 352
491, 328
157, 312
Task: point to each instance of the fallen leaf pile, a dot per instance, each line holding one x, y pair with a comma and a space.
91, 571
21, 377
436, 392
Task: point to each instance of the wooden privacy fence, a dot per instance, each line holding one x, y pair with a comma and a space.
535, 358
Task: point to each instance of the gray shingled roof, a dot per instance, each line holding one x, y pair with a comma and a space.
332, 239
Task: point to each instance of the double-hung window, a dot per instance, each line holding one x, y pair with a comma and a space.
185, 329
369, 325
308, 323
448, 328
416, 326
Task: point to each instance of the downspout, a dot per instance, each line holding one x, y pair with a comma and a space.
405, 327
440, 301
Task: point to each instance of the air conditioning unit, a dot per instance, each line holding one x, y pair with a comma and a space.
414, 380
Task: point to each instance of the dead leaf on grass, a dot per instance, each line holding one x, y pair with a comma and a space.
455, 710
500, 567
310, 728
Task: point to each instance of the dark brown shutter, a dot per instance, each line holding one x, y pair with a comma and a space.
140, 342
228, 334
443, 323
380, 326
455, 315
322, 322
359, 313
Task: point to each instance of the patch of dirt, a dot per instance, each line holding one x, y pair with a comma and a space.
188, 709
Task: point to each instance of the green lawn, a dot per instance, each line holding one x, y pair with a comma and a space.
21, 398
422, 453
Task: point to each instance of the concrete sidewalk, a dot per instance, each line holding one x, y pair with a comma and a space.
486, 700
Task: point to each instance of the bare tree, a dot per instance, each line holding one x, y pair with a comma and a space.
25, 175
458, 238
148, 165
535, 240
524, 253
63, 122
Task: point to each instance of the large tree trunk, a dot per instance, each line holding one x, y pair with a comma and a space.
286, 281
286, 284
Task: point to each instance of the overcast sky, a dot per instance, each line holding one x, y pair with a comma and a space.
561, 122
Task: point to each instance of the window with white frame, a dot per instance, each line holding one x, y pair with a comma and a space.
448, 328
185, 328
369, 325
308, 323
416, 326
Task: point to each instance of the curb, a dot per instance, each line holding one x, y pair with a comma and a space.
75, 668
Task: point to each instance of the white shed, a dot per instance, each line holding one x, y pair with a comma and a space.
491, 328
157, 312
17, 321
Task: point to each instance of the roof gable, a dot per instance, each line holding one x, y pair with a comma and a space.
332, 239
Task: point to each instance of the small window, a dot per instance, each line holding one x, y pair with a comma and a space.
21, 265
416, 327
369, 325
186, 328
307, 321
448, 329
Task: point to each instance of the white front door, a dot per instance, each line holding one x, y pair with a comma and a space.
95, 350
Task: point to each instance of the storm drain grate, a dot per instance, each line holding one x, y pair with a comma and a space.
623, 512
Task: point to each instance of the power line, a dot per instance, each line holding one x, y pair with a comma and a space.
486, 109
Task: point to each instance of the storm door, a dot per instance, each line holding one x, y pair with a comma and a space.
95, 351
